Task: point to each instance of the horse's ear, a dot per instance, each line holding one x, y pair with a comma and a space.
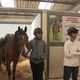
18, 28
25, 29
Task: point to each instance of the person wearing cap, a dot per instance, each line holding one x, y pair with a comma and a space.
71, 55
38, 53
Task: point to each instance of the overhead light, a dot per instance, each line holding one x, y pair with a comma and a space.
7, 3
44, 5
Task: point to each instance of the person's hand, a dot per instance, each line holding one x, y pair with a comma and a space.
25, 55
42, 59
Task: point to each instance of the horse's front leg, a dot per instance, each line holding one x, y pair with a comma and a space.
14, 68
8, 69
0, 65
0, 62
0, 70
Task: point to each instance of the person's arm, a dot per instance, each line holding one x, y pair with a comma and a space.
45, 51
67, 52
77, 52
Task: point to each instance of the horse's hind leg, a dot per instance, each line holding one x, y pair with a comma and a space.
0, 65
0, 60
8, 69
0, 71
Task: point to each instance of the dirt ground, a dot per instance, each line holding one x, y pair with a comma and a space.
23, 71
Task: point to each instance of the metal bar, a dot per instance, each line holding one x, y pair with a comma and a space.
17, 14
14, 22
19, 10
64, 13
37, 11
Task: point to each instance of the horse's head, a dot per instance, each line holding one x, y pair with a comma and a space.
21, 40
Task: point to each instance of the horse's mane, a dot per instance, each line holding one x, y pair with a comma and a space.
3, 40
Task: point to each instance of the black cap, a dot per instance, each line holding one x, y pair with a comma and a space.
37, 30
72, 30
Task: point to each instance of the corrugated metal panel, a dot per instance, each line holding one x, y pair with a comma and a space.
27, 4
33, 4
62, 7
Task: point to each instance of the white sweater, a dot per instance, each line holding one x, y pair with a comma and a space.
71, 53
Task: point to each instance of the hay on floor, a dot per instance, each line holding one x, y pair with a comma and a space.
23, 71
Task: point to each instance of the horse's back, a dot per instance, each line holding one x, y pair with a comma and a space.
9, 46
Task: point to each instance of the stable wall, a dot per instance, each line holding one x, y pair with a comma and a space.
54, 63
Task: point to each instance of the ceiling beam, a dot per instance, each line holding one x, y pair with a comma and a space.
54, 1
20, 10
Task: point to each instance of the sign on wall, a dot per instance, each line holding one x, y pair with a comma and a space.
55, 28
70, 21
58, 26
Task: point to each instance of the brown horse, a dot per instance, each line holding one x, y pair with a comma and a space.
14, 46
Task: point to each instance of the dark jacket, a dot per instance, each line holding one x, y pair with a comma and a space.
38, 50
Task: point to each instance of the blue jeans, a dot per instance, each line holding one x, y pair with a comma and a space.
68, 71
